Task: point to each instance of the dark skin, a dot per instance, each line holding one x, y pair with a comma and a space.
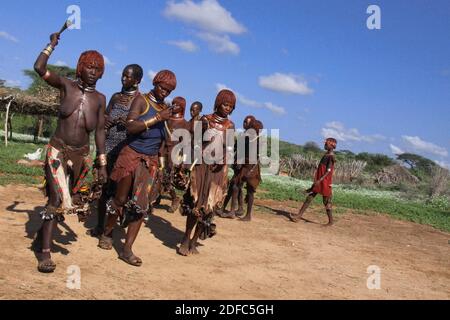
250, 192
129, 83
74, 125
188, 244
195, 111
134, 126
311, 196
167, 150
236, 194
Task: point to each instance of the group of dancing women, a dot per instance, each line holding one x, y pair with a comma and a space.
135, 163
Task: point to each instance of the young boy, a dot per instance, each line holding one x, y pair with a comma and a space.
322, 183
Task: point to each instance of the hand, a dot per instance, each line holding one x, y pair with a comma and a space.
316, 183
102, 175
109, 122
54, 39
165, 114
122, 120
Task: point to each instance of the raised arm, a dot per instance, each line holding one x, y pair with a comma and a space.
40, 66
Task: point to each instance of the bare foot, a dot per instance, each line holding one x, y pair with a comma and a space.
329, 224
95, 232
174, 206
193, 250
240, 212
46, 264
246, 218
184, 248
229, 215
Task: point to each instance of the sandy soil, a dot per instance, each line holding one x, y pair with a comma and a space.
268, 258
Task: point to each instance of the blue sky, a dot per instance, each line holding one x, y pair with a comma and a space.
309, 68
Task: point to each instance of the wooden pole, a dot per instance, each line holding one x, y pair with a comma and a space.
41, 126
10, 126
11, 98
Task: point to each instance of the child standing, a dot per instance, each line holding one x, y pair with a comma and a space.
323, 181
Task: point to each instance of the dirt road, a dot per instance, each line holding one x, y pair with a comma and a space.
268, 258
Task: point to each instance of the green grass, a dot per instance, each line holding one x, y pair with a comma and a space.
283, 188
277, 188
10, 171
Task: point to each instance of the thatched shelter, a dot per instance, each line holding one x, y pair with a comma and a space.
25, 104
14, 100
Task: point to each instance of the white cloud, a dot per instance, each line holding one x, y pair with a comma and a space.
219, 43
338, 131
151, 74
396, 150
60, 63
108, 62
274, 108
13, 83
252, 103
286, 83
188, 46
207, 15
249, 102
443, 164
7, 36
423, 146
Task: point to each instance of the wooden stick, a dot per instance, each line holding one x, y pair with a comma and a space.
6, 120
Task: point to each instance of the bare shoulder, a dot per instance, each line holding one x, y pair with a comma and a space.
101, 97
139, 100
139, 103
68, 83
114, 97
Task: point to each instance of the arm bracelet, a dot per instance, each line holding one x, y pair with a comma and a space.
101, 160
162, 162
152, 121
48, 50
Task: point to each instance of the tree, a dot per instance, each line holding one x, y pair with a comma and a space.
375, 161
420, 166
41, 90
345, 152
416, 162
311, 146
